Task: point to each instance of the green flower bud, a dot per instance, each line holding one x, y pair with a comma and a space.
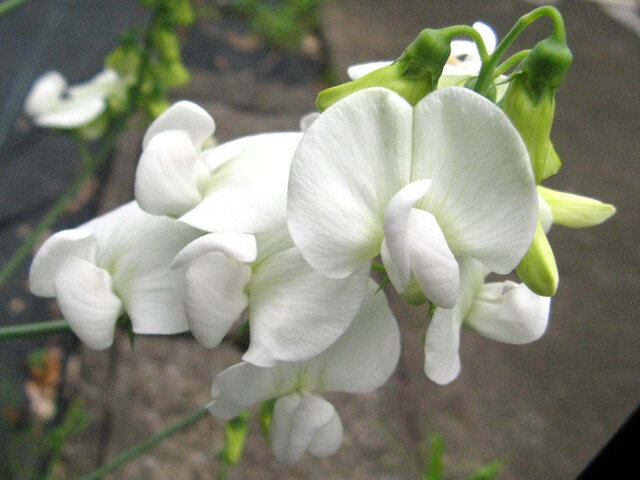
235, 437
174, 74
167, 44
575, 211
533, 119
156, 106
546, 66
530, 102
413, 75
538, 268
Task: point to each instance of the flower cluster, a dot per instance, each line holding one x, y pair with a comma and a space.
280, 230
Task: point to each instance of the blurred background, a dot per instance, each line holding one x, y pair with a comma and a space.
545, 409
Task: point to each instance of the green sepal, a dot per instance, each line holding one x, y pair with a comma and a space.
414, 295
546, 66
413, 75
538, 269
266, 414
235, 437
533, 119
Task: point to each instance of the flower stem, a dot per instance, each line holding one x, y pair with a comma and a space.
142, 447
510, 62
34, 329
486, 72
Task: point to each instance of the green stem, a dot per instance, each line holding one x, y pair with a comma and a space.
470, 32
34, 329
510, 62
9, 5
142, 447
486, 72
378, 267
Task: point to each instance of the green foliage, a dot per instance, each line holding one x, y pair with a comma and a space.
283, 23
435, 464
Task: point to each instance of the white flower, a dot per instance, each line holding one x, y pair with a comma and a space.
418, 185
360, 361
294, 312
116, 263
503, 311
237, 186
51, 103
464, 62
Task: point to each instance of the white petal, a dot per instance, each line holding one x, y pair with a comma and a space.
72, 113
239, 246
186, 116
302, 420
167, 179
510, 313
488, 35
307, 120
362, 69
295, 312
483, 193
248, 193
244, 385
442, 361
366, 355
45, 94
348, 166
53, 253
396, 226
215, 296
137, 249
544, 214
99, 86
87, 302
432, 263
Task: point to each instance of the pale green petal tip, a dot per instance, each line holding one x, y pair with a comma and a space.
575, 211
538, 269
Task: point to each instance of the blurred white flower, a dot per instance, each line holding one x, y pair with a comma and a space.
360, 361
117, 263
52, 103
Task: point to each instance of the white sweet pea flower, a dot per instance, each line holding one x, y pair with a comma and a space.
464, 62
52, 103
116, 263
236, 186
294, 312
503, 311
418, 185
360, 361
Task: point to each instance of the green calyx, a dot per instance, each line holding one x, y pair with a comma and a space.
413, 295
546, 66
538, 269
533, 119
413, 75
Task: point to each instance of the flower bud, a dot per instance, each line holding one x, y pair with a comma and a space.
413, 75
530, 102
538, 269
167, 44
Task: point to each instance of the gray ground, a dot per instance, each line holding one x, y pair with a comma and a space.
545, 408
